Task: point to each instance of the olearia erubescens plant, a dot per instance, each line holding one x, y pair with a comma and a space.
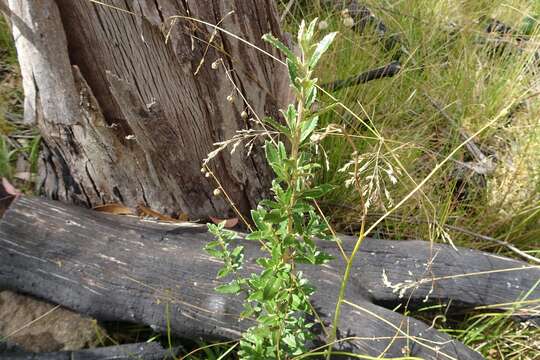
286, 226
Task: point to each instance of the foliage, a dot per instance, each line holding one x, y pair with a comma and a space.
286, 226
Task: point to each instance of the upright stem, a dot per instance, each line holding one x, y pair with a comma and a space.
343, 287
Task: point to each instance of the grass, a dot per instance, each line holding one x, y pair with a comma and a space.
19, 142
448, 59
446, 56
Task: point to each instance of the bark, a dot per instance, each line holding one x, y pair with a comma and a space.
121, 268
125, 115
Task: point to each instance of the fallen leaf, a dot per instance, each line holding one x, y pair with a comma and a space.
229, 223
10, 189
114, 208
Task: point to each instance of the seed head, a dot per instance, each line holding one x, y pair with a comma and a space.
215, 64
217, 192
323, 25
348, 21
230, 98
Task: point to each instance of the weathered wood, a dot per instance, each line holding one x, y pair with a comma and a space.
128, 117
121, 268
141, 351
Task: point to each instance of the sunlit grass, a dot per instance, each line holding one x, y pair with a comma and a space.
446, 56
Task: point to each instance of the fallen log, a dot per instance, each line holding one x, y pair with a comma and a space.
121, 268
142, 351
389, 70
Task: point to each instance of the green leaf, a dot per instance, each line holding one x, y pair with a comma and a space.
215, 253
274, 159
317, 192
290, 340
322, 46
271, 152
269, 38
230, 288
290, 116
223, 272
277, 126
311, 96
258, 235
271, 288
301, 32
275, 216
237, 251
293, 73
307, 128
310, 30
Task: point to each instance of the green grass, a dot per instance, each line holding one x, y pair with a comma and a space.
449, 57
18, 142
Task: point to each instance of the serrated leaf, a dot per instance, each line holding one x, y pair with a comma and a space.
322, 46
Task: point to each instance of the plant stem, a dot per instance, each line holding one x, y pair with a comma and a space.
343, 287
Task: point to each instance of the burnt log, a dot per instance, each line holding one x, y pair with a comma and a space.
389, 70
126, 269
142, 351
